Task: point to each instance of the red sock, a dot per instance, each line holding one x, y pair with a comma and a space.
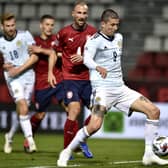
70, 130
35, 122
87, 120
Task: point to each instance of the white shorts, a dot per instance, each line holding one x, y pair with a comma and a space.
22, 87
118, 97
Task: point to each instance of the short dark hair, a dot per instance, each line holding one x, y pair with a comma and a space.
109, 13
46, 16
7, 16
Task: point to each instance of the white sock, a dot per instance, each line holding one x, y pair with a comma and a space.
25, 125
13, 129
151, 131
81, 135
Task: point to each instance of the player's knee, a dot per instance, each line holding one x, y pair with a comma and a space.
41, 115
96, 125
154, 113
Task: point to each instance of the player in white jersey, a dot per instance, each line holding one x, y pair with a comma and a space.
14, 50
102, 55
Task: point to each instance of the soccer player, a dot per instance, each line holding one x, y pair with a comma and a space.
47, 69
14, 49
102, 55
71, 40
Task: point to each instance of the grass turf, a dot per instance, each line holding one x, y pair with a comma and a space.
108, 153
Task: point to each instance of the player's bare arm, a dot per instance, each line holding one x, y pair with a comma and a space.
14, 71
51, 63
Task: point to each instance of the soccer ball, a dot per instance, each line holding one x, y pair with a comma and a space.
160, 145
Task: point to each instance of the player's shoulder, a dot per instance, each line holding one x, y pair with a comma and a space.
118, 36
22, 31
95, 36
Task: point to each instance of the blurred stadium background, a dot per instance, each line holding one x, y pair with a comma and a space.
144, 24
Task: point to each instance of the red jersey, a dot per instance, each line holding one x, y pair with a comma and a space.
41, 67
70, 41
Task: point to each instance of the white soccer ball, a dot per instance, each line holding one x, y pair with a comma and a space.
160, 145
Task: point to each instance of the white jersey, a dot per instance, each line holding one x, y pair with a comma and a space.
106, 52
15, 51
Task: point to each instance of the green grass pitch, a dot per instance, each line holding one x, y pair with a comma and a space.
108, 153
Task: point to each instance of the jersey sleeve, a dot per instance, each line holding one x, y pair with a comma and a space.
89, 53
29, 38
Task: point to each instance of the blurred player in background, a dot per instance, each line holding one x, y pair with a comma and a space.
47, 69
14, 49
71, 40
102, 55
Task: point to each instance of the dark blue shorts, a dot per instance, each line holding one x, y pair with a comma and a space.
43, 97
77, 90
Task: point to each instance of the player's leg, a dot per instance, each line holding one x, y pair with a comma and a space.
151, 129
22, 109
42, 101
72, 100
130, 101
9, 136
93, 126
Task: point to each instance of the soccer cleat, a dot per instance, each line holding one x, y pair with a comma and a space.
8, 144
85, 150
64, 157
30, 145
153, 159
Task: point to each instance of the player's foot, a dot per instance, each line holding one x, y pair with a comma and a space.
8, 144
29, 145
64, 157
26, 146
85, 150
153, 159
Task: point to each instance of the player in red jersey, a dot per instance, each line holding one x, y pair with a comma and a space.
46, 76
71, 40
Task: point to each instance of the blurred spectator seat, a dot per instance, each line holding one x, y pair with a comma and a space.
21, 24
146, 60
161, 28
161, 60
45, 9
153, 74
62, 11
152, 43
28, 11
34, 27
165, 46
13, 8
5, 96
95, 11
165, 12
144, 91
136, 74
162, 94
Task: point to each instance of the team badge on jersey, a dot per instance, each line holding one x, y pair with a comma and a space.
18, 43
69, 94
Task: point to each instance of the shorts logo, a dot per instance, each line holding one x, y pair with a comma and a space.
16, 91
37, 105
98, 99
69, 94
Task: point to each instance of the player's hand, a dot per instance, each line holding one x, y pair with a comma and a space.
52, 80
102, 71
76, 58
34, 49
14, 71
7, 66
